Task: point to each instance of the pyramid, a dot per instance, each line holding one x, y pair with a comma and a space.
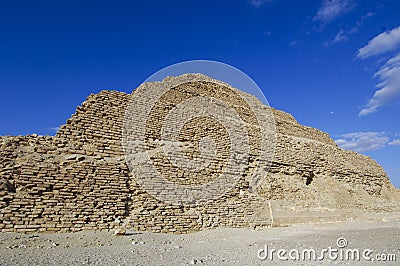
179, 156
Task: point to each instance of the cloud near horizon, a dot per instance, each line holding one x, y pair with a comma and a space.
363, 141
55, 129
332, 9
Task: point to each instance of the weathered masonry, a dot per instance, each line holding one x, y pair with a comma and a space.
79, 180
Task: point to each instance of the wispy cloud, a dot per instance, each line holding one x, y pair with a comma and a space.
345, 33
258, 3
268, 32
382, 43
388, 88
332, 9
340, 37
360, 22
55, 129
395, 142
363, 141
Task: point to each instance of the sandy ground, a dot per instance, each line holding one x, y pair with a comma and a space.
224, 246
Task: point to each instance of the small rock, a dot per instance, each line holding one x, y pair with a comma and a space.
195, 261
120, 232
70, 157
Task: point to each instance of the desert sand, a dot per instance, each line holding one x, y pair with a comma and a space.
222, 246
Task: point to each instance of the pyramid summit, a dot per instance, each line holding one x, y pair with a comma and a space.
179, 156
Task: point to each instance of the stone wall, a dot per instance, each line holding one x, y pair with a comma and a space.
79, 179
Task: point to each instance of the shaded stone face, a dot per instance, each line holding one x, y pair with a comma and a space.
80, 179
5, 185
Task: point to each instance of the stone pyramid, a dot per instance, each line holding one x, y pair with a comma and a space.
82, 178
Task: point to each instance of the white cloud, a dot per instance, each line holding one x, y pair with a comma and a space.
54, 129
359, 23
332, 9
395, 142
369, 14
362, 141
340, 37
258, 3
388, 88
345, 34
384, 42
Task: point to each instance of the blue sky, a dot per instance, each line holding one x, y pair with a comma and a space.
333, 64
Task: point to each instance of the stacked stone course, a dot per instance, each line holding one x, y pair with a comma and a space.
79, 180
